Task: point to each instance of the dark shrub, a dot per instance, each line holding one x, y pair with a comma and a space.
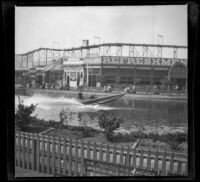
109, 123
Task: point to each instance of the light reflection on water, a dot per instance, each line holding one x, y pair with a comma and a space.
134, 112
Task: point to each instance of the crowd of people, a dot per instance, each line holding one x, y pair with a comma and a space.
107, 88
165, 85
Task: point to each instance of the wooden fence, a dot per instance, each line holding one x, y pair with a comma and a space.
66, 156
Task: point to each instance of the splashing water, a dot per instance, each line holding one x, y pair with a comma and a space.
49, 108
143, 112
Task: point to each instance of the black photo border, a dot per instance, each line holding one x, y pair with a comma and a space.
8, 12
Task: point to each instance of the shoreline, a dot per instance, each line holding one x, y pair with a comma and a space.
74, 93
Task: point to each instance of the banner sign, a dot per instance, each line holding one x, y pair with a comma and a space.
141, 61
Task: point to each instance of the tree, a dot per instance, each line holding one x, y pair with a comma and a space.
109, 123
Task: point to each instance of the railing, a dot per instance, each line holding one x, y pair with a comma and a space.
65, 156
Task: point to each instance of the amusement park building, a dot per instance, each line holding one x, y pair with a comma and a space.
96, 66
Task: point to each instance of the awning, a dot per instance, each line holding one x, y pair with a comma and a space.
21, 69
53, 67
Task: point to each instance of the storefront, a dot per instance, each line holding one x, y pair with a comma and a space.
54, 74
178, 75
39, 75
100, 71
73, 73
21, 76
32, 77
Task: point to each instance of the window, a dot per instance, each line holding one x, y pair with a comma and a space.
73, 74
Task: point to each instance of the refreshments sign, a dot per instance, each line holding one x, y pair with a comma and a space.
141, 61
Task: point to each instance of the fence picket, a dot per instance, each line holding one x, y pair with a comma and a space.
33, 152
128, 157
54, 156
94, 151
141, 159
48, 154
171, 166
38, 153
186, 168
122, 155
43, 153
70, 156
88, 150
19, 149
23, 150
64, 157
114, 154
59, 158
82, 158
16, 150
134, 158
101, 152
28, 151
156, 161
149, 160
164, 164
179, 167
108, 153
76, 158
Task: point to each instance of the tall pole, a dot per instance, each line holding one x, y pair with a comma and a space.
87, 75
160, 49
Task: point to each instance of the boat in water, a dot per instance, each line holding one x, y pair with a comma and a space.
102, 100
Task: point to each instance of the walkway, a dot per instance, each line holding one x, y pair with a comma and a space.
20, 172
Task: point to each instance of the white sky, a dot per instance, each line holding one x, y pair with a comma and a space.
37, 27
